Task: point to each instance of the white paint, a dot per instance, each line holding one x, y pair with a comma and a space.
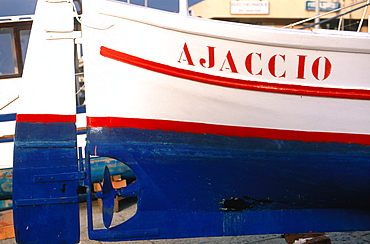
48, 77
120, 90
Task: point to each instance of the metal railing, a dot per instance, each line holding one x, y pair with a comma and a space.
17, 18
327, 13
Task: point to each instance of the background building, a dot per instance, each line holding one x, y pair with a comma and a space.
280, 13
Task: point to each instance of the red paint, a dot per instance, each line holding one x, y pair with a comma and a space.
211, 58
229, 63
275, 62
327, 68
235, 83
272, 66
248, 63
187, 56
46, 118
301, 65
225, 130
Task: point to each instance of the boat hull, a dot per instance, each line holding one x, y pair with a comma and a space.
230, 129
239, 186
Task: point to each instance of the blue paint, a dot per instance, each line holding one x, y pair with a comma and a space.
183, 180
107, 194
6, 140
46, 212
81, 109
7, 117
97, 164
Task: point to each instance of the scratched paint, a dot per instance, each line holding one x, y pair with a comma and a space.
97, 169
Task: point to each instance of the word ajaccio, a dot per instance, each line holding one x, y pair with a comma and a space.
275, 64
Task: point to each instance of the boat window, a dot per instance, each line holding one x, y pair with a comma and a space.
13, 48
8, 57
24, 36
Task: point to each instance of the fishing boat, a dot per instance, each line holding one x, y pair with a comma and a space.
230, 129
14, 37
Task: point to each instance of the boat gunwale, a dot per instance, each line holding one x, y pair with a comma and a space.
286, 38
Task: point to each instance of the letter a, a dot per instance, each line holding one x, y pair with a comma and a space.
187, 56
230, 60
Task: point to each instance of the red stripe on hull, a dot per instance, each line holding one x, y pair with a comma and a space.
225, 130
46, 118
235, 83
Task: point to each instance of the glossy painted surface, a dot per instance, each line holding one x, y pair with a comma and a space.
237, 186
230, 129
45, 180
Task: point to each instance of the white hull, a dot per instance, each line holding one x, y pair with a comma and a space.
278, 58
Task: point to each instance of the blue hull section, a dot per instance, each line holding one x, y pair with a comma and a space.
208, 185
97, 171
45, 180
